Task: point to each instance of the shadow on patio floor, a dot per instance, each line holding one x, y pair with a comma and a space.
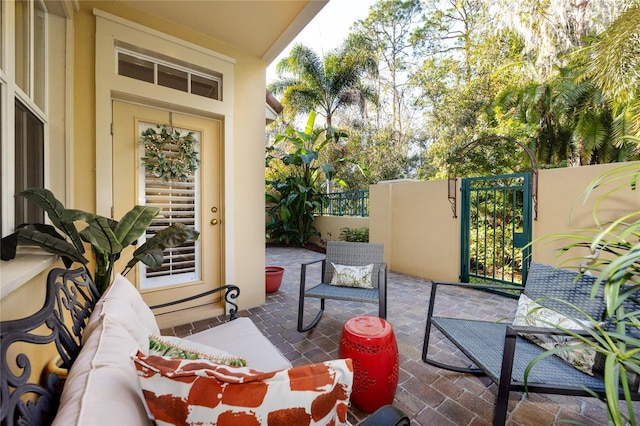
430, 396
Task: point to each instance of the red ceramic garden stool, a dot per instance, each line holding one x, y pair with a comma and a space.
369, 341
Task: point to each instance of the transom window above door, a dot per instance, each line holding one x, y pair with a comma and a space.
163, 71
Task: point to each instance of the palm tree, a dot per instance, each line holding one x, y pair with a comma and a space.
541, 105
576, 122
615, 56
613, 64
308, 82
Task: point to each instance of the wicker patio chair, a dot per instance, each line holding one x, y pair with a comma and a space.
345, 253
500, 352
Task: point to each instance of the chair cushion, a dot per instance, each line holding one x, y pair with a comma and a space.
176, 347
352, 276
181, 391
531, 314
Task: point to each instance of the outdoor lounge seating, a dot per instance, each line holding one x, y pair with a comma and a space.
99, 338
345, 254
499, 351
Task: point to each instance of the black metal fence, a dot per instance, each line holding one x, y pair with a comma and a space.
348, 203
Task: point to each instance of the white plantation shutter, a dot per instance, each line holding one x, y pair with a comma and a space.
178, 202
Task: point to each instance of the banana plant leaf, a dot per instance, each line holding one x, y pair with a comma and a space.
10, 242
172, 236
101, 236
73, 215
51, 244
134, 223
9, 245
45, 199
153, 258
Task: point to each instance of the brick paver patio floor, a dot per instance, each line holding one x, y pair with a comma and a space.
430, 396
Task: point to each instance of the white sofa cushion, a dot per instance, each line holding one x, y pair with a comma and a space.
102, 387
123, 301
241, 337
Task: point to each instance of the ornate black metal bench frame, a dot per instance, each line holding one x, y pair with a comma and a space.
500, 353
70, 299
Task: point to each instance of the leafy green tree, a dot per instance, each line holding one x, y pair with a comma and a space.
614, 60
294, 181
464, 67
552, 29
389, 29
450, 73
581, 117
310, 83
369, 156
542, 106
565, 118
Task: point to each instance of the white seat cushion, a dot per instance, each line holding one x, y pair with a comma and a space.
241, 337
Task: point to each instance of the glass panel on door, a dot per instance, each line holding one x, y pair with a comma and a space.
178, 202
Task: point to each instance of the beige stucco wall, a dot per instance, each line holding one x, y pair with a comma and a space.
330, 226
562, 207
415, 222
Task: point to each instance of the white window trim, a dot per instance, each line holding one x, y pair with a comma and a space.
30, 262
111, 29
10, 93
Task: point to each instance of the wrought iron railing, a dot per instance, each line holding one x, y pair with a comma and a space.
348, 203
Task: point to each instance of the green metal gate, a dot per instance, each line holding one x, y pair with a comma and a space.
496, 228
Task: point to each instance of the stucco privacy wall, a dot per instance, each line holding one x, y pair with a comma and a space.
563, 209
244, 162
415, 222
330, 227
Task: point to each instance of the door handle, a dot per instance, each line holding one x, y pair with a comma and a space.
214, 221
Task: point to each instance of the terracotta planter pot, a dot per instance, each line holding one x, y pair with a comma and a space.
273, 278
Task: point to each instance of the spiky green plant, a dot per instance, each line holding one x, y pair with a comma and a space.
614, 257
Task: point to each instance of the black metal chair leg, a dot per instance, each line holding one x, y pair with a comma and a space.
427, 336
303, 328
504, 386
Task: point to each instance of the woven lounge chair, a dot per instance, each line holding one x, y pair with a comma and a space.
345, 253
499, 352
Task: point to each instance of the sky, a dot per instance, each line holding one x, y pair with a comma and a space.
327, 30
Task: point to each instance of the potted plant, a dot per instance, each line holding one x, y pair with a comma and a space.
106, 236
273, 278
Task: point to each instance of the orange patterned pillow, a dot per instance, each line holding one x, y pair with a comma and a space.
183, 392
